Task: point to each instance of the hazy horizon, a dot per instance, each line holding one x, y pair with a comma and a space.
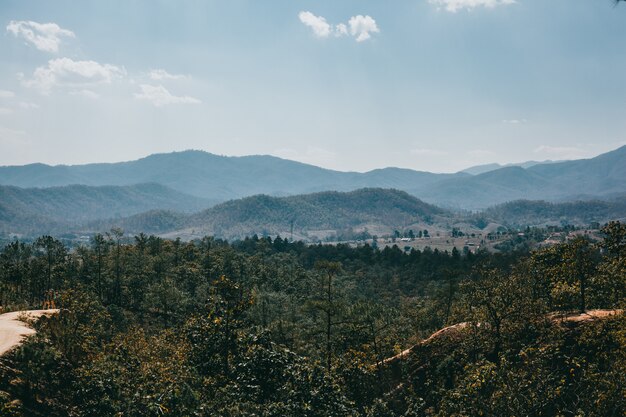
320, 166
429, 85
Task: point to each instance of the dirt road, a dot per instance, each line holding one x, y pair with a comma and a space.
558, 318
13, 330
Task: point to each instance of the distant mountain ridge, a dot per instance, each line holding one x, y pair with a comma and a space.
215, 177
221, 178
43, 209
481, 169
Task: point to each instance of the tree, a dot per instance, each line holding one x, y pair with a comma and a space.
500, 304
54, 253
569, 274
14, 271
115, 236
328, 270
100, 246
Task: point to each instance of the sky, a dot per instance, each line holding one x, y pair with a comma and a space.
432, 85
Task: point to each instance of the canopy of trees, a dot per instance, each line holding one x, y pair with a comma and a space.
267, 327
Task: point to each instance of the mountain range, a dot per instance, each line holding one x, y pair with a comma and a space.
44, 209
193, 193
217, 178
481, 169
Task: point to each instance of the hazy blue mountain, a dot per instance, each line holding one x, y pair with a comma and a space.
484, 190
601, 177
481, 169
220, 178
46, 208
216, 177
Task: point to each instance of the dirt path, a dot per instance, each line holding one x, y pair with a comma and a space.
13, 330
558, 318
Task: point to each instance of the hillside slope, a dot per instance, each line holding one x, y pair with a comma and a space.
47, 208
310, 214
522, 213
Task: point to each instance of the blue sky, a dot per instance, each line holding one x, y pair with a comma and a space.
435, 85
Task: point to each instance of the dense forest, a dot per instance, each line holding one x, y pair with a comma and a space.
269, 327
522, 213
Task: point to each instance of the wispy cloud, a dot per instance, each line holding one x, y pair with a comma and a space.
6, 94
5, 111
359, 27
160, 96
44, 36
161, 74
67, 72
514, 121
456, 5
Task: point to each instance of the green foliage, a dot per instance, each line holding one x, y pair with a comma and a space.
266, 327
38, 210
523, 213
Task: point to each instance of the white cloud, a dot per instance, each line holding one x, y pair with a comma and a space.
456, 5
362, 26
45, 36
318, 24
67, 72
560, 152
6, 94
341, 30
5, 111
161, 74
427, 152
160, 96
514, 121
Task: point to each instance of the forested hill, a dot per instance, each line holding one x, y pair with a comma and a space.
524, 213
151, 208
43, 209
221, 178
315, 214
